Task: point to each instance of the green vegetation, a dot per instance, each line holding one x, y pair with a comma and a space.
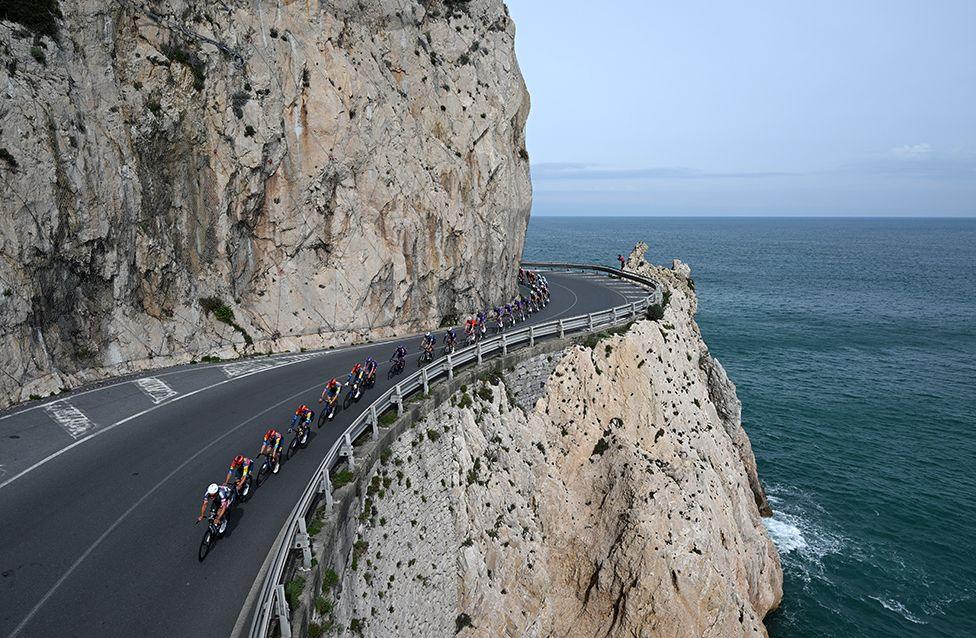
485, 393
314, 630
329, 580
656, 311
293, 589
341, 478
463, 621
323, 605
39, 16
222, 312
8, 158
600, 447
592, 340
388, 418
433, 435
189, 60
358, 549
37, 53
464, 401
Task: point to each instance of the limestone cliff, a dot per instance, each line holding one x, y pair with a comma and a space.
313, 172
604, 490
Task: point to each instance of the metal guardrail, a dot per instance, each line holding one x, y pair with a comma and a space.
271, 601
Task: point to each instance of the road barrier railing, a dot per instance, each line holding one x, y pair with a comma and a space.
271, 603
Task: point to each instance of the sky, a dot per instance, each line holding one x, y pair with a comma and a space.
853, 107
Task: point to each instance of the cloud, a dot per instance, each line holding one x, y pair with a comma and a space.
913, 151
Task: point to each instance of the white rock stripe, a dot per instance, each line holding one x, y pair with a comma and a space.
73, 420
156, 389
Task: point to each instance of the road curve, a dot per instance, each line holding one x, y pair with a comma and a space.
99, 490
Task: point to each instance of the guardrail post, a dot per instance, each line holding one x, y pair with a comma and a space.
478, 350
284, 626
633, 308
351, 458
450, 367
423, 377
375, 422
304, 543
531, 335
613, 315
562, 329
399, 400
325, 487
504, 343
589, 320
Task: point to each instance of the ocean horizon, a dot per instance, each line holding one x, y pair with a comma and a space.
853, 347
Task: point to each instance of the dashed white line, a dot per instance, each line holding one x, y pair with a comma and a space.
73, 420
157, 389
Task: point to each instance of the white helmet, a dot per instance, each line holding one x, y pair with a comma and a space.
212, 489
427, 335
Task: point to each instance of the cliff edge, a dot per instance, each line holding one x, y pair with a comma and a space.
607, 489
189, 178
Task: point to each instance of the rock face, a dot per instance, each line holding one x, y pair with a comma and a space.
619, 501
315, 171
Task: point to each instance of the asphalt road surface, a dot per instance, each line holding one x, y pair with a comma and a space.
100, 489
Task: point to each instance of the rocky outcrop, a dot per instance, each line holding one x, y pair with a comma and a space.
619, 501
315, 172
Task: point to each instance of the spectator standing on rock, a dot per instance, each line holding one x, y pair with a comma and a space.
622, 261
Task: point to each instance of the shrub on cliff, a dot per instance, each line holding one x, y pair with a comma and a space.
40, 16
222, 312
656, 312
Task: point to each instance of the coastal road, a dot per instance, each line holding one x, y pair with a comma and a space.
100, 489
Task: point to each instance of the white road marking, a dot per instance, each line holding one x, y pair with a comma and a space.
251, 366
157, 389
73, 420
145, 497
106, 428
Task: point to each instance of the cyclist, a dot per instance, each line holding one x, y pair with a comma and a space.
240, 469
450, 338
399, 355
330, 391
469, 329
428, 343
271, 444
302, 415
370, 369
220, 494
355, 375
481, 327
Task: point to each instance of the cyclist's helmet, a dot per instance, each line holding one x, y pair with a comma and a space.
270, 433
370, 360
212, 490
239, 460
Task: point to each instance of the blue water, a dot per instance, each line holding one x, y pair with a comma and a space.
853, 346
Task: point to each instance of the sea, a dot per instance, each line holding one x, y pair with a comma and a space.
852, 343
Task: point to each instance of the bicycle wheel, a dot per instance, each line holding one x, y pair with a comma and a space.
303, 441
263, 472
205, 545
292, 447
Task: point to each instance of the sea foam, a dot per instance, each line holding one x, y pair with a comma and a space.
785, 535
893, 605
